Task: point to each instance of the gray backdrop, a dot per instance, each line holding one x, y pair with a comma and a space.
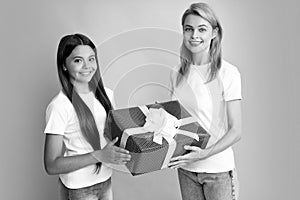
261, 38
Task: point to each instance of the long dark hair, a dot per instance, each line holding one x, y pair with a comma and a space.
215, 52
86, 120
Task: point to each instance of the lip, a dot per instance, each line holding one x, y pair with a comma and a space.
85, 73
195, 42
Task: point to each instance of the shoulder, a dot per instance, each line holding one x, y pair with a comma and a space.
58, 114
231, 80
59, 102
228, 70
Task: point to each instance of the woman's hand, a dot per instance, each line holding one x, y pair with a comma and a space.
194, 155
230, 138
112, 154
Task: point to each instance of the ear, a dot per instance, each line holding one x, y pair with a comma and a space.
64, 68
215, 32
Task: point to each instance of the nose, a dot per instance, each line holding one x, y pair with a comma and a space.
195, 34
85, 65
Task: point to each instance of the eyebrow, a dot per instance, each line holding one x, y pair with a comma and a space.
92, 55
74, 57
201, 25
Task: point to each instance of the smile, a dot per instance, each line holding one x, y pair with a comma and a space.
195, 43
85, 73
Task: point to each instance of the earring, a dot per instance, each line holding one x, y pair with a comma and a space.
64, 68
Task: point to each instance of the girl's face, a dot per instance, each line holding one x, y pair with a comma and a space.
81, 64
197, 34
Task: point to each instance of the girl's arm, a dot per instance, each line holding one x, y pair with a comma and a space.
56, 163
231, 137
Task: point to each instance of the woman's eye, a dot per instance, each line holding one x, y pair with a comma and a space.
201, 30
92, 59
187, 29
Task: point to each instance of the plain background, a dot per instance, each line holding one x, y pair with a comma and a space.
261, 38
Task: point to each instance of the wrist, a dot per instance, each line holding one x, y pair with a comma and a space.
206, 153
96, 156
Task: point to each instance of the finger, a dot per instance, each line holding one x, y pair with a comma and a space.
114, 141
192, 148
125, 159
121, 150
180, 159
177, 164
175, 158
120, 162
122, 156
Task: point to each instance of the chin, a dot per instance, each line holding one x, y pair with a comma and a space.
195, 51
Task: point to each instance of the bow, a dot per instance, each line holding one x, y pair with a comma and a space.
162, 123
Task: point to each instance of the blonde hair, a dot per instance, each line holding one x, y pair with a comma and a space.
215, 52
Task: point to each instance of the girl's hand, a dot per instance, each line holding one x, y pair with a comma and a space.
196, 154
112, 154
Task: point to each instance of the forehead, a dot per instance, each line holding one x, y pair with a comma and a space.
82, 51
195, 21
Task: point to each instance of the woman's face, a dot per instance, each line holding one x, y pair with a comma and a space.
197, 34
81, 64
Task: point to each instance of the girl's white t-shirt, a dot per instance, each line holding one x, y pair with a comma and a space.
61, 119
207, 103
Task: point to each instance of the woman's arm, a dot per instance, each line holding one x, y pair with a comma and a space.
56, 163
230, 138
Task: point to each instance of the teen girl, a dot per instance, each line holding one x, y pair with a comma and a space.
75, 147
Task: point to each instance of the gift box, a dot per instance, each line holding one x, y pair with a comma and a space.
152, 136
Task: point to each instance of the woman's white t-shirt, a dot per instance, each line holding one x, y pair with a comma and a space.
61, 119
207, 103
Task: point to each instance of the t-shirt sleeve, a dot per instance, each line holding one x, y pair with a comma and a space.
232, 85
56, 119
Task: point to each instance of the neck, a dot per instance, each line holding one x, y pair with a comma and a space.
82, 88
200, 59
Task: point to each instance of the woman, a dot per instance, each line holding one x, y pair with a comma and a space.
210, 89
75, 147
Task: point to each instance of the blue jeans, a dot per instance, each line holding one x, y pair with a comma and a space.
208, 186
100, 191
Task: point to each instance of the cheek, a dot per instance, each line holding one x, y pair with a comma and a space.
73, 66
208, 37
185, 40
94, 66
73, 70
186, 45
186, 36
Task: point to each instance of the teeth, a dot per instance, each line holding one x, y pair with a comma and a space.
85, 73
195, 43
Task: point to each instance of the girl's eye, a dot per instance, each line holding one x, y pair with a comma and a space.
92, 59
201, 30
77, 60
